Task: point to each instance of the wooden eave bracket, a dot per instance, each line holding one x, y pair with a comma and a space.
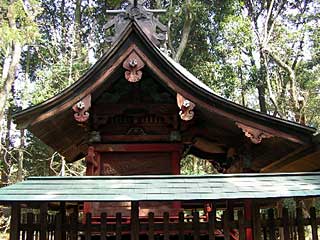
81, 108
133, 64
186, 108
255, 135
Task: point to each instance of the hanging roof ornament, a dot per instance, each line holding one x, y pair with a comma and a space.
146, 18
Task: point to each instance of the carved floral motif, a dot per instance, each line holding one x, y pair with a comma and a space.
255, 135
133, 64
81, 109
186, 108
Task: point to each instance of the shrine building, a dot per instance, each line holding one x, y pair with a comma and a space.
134, 115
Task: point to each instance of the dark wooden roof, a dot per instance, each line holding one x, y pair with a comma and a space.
52, 121
164, 188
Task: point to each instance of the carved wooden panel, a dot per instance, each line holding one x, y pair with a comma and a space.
135, 163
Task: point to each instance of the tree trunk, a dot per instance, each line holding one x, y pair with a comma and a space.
21, 155
11, 63
185, 32
262, 97
77, 17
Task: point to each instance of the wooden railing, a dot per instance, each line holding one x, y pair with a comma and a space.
265, 226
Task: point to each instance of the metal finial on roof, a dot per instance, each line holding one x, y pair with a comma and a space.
146, 19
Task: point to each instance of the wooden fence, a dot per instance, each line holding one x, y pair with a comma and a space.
265, 226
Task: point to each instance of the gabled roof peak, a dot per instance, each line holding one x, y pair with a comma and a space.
146, 18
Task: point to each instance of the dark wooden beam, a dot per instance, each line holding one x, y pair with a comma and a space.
135, 225
15, 221
148, 147
43, 221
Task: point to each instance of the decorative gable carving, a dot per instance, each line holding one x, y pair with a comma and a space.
133, 64
186, 108
81, 108
255, 135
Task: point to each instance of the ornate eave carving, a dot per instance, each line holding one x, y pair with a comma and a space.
81, 108
133, 64
186, 108
255, 135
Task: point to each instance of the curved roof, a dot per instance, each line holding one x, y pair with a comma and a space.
55, 110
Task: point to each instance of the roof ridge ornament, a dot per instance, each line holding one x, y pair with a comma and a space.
144, 17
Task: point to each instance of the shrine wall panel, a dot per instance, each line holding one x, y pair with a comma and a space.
136, 163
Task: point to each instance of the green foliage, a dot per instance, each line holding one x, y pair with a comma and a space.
26, 29
192, 165
50, 80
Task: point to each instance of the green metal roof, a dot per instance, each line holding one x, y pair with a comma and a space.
145, 188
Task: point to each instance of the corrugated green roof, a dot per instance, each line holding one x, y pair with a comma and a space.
145, 188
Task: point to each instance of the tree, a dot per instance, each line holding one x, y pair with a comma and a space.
17, 29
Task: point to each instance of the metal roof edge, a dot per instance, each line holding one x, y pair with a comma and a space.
238, 175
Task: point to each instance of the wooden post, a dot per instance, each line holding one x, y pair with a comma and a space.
285, 223
271, 225
30, 221
151, 226
196, 226
43, 221
181, 225
256, 222
74, 226
242, 234
58, 227
230, 207
118, 225
212, 224
103, 227
88, 226
300, 224
15, 221
63, 220
166, 226
264, 229
226, 226
135, 220
175, 170
313, 220
248, 217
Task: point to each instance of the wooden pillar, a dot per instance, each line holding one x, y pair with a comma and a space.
15, 221
175, 168
256, 221
175, 163
248, 217
60, 230
135, 220
43, 221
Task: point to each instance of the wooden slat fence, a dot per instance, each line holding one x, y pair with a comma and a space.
74, 226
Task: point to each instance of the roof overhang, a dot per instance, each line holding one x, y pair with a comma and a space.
54, 117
